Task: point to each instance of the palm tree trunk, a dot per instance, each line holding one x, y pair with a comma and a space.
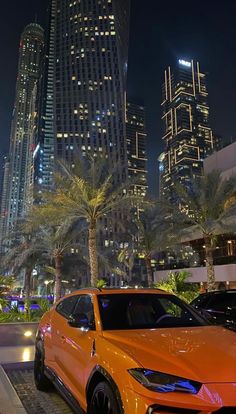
27, 282
93, 258
209, 264
149, 271
34, 286
57, 287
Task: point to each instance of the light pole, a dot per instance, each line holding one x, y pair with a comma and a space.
46, 282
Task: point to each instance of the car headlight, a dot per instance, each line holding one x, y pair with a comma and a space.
160, 382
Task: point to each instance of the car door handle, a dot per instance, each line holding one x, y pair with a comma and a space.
63, 338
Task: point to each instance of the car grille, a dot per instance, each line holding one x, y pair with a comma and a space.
226, 410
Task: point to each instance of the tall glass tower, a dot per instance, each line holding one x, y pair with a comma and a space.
44, 134
136, 138
4, 200
188, 138
90, 65
20, 154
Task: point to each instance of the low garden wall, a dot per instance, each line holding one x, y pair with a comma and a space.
18, 334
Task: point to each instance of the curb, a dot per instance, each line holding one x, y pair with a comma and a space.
10, 403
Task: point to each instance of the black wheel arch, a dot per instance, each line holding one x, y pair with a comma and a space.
39, 337
39, 347
99, 374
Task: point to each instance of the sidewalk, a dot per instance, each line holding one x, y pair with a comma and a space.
21, 353
10, 403
9, 400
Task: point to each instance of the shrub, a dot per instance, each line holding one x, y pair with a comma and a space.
176, 283
14, 315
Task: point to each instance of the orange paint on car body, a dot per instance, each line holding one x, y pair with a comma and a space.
176, 362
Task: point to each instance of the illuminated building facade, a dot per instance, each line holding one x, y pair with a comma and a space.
136, 138
29, 66
4, 199
188, 138
90, 58
161, 168
44, 134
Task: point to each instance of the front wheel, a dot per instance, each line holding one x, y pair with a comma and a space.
42, 383
103, 400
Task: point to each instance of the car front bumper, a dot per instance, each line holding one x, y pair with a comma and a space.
211, 399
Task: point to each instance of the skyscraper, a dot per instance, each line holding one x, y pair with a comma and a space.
187, 135
29, 66
137, 146
90, 58
44, 137
4, 199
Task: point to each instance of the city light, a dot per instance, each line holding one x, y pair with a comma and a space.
184, 63
28, 334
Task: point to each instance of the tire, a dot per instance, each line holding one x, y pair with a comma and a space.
104, 400
42, 383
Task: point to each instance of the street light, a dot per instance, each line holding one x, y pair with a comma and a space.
46, 282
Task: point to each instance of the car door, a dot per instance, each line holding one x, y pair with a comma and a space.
219, 306
59, 325
231, 309
79, 355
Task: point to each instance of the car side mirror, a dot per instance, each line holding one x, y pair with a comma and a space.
80, 320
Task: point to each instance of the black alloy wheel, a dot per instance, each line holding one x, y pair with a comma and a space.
103, 400
42, 383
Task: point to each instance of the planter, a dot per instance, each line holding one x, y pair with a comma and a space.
13, 334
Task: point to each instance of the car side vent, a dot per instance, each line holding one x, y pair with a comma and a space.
162, 409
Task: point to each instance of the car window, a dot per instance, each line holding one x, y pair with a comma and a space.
220, 301
145, 311
66, 306
84, 305
171, 308
200, 301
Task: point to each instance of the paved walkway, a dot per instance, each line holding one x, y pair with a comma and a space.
16, 350
18, 394
9, 400
10, 403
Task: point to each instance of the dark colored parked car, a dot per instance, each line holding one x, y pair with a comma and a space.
218, 306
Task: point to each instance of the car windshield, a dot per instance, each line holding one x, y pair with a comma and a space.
146, 311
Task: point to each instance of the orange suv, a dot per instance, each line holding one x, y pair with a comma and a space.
135, 351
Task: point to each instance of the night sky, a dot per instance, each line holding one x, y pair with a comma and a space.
161, 32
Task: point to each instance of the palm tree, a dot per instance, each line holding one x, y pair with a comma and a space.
54, 238
56, 245
207, 204
86, 191
23, 255
152, 235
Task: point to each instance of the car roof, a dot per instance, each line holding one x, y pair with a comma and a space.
216, 292
123, 291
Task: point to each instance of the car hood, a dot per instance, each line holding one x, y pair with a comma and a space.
206, 354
